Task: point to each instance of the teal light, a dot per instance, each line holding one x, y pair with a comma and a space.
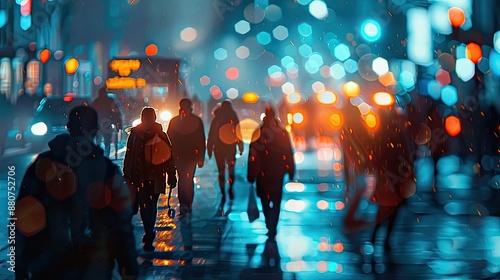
342, 52
370, 30
495, 63
263, 38
273, 69
305, 29
351, 66
220, 54
25, 22
3, 18
449, 95
287, 61
242, 27
305, 50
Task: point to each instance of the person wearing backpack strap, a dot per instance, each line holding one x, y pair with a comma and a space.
146, 173
222, 142
73, 210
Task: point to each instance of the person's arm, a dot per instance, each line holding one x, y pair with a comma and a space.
201, 145
212, 134
290, 162
253, 165
239, 141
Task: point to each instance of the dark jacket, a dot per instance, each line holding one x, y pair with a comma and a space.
270, 156
227, 120
188, 138
135, 164
108, 112
85, 201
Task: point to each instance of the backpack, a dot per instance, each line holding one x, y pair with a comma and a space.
157, 151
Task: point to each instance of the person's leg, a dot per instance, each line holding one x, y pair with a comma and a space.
185, 170
221, 169
274, 213
147, 203
107, 142
231, 162
264, 199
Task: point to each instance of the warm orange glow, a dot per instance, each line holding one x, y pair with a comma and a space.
326, 97
337, 166
351, 89
335, 120
71, 66
293, 98
452, 126
31, 215
151, 50
44, 55
474, 52
387, 79
371, 120
123, 66
338, 247
125, 82
383, 98
456, 16
250, 97
245, 130
339, 205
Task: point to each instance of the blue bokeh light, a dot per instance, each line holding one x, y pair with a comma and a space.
242, 27
220, 54
370, 30
342, 52
449, 95
263, 38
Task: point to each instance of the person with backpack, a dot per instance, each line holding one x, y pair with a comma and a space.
148, 166
222, 142
73, 210
270, 158
187, 133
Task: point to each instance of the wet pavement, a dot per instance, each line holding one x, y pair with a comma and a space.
434, 238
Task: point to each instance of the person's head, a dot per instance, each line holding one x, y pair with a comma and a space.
226, 105
185, 106
148, 116
82, 121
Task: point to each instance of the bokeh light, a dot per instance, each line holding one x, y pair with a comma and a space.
151, 50
44, 55
273, 13
205, 80
474, 52
318, 9
242, 27
305, 29
250, 97
342, 52
31, 215
465, 69
232, 73
220, 54
456, 16
326, 97
242, 52
351, 89
232, 93
452, 125
280, 33
383, 98
370, 30
449, 95
263, 38
189, 34
380, 66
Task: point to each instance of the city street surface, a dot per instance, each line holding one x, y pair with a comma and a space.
311, 243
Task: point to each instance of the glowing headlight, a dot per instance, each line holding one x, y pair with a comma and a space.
136, 122
165, 115
39, 129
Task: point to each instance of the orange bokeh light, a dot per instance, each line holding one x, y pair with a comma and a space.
151, 50
351, 89
452, 126
232, 73
71, 66
383, 98
44, 55
474, 52
456, 16
371, 120
338, 247
250, 97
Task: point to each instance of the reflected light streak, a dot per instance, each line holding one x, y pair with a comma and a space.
293, 205
295, 187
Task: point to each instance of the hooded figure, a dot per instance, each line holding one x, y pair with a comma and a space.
73, 210
146, 179
270, 158
222, 141
186, 131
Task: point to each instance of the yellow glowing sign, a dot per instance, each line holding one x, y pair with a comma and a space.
125, 82
124, 67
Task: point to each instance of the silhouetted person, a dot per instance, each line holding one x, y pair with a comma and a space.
146, 178
73, 210
222, 141
186, 131
110, 119
25, 109
270, 158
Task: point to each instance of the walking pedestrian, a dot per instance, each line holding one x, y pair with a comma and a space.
270, 158
73, 210
222, 142
110, 119
148, 177
186, 131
